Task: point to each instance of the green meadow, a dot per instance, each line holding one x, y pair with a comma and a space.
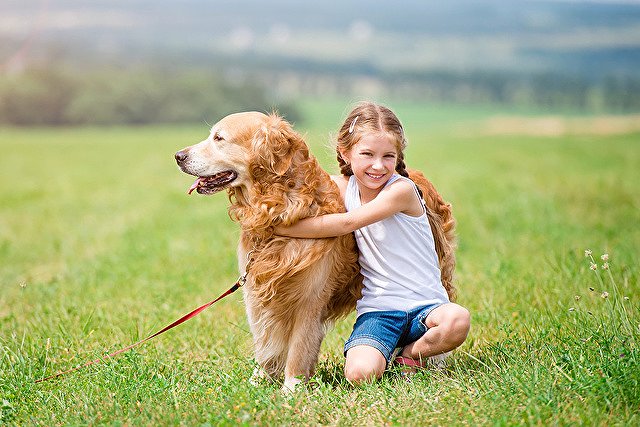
100, 246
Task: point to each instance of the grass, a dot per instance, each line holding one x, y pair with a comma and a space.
100, 246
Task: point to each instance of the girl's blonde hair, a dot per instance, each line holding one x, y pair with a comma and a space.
367, 118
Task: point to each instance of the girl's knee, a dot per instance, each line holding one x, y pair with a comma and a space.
459, 323
364, 363
360, 371
462, 317
454, 322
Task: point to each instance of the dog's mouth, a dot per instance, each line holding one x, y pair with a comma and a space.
214, 183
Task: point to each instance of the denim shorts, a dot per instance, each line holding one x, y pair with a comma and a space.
387, 330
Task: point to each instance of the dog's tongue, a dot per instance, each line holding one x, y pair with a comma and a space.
195, 185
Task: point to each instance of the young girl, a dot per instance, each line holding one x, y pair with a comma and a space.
404, 304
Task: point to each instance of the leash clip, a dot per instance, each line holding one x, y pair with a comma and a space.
243, 278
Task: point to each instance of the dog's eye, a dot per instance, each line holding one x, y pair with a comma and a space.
217, 137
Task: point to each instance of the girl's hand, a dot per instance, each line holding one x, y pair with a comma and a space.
283, 230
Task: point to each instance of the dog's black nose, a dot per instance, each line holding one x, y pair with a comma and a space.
181, 156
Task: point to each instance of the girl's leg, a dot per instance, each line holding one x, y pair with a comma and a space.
364, 363
448, 326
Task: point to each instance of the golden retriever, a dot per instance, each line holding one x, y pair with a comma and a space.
295, 287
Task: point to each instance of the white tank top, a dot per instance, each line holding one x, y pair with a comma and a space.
397, 259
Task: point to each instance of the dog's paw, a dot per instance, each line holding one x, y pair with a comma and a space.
290, 385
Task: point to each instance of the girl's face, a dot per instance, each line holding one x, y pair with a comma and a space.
373, 160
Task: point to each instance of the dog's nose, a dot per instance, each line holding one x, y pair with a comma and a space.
181, 156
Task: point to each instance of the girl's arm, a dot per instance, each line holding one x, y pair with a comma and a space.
397, 197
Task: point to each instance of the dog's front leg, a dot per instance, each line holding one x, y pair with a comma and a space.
304, 347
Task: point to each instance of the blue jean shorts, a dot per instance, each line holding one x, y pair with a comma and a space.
387, 330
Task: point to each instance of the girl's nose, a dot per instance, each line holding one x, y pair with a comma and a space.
377, 164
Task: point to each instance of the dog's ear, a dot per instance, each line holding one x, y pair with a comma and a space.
275, 145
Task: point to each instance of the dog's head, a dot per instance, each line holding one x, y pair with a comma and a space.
222, 159
241, 148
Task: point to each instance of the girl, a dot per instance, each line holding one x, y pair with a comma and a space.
404, 304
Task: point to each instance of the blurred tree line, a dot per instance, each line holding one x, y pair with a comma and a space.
58, 96
66, 96
546, 90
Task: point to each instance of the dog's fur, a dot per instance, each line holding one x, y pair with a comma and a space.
295, 287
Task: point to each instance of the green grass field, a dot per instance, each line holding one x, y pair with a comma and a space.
100, 246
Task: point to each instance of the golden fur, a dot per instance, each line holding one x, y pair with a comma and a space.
295, 287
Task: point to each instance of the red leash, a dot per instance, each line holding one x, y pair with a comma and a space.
239, 283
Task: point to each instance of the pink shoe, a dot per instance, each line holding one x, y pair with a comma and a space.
411, 366
409, 362
408, 366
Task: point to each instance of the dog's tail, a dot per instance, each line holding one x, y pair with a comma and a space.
442, 227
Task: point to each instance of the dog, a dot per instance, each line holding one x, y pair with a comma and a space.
295, 288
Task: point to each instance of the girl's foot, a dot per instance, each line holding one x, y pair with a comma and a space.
438, 361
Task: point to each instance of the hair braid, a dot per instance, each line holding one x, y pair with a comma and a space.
401, 168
